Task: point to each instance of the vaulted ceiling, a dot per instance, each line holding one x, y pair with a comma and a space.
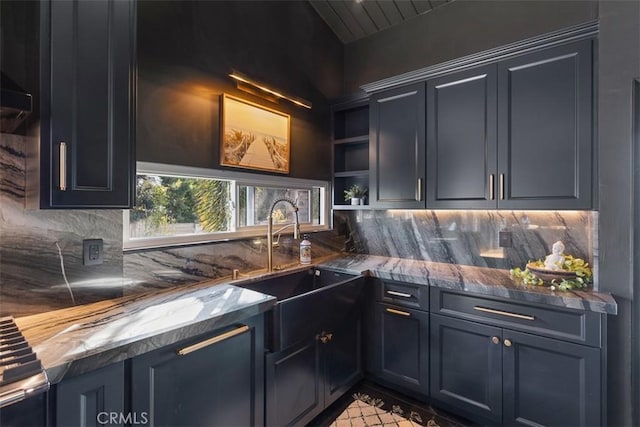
355, 19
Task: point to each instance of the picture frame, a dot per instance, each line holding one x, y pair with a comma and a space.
254, 137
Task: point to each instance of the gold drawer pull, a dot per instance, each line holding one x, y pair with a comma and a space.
213, 340
504, 313
399, 294
401, 313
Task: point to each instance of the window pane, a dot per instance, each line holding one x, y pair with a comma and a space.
170, 206
254, 204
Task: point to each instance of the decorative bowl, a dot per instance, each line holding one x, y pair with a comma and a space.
547, 275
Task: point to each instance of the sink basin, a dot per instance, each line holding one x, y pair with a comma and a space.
308, 301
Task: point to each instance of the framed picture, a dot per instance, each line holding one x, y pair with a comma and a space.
253, 136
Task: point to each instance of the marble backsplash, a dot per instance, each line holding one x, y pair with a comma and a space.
470, 237
38, 248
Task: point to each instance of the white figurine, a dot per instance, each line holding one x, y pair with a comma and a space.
555, 260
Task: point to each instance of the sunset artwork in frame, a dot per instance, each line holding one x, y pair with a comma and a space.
254, 137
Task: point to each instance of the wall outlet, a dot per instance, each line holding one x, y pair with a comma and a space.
92, 252
505, 239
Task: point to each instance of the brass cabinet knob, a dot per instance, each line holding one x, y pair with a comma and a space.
495, 340
507, 343
324, 337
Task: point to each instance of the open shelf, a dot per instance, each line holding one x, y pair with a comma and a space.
350, 151
348, 174
364, 139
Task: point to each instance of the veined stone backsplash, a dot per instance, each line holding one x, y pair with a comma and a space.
34, 242
470, 237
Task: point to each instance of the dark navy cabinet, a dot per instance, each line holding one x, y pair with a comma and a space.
88, 104
216, 379
497, 362
303, 380
516, 134
545, 125
95, 398
398, 336
397, 148
462, 139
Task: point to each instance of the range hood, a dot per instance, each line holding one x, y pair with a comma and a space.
15, 104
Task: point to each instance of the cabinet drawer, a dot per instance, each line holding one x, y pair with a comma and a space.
403, 294
570, 325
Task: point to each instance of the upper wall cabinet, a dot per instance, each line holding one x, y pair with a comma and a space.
462, 139
88, 104
513, 135
396, 148
545, 125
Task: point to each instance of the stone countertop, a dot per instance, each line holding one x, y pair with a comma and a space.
479, 280
80, 339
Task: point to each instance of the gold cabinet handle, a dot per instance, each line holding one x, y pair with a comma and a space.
399, 294
401, 313
507, 343
419, 190
492, 195
495, 340
504, 313
62, 178
501, 186
190, 349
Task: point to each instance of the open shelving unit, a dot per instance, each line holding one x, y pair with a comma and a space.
350, 150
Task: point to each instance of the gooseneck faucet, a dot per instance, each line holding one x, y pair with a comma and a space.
296, 229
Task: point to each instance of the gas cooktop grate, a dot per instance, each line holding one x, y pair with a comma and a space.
21, 372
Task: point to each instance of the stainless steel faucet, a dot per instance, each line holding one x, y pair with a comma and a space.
296, 229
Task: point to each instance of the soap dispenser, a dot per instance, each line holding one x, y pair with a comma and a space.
305, 250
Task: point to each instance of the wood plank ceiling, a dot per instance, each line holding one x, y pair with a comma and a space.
355, 19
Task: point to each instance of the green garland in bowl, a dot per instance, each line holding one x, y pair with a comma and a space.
578, 266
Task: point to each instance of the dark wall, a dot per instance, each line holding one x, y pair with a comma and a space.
618, 66
186, 51
19, 51
456, 29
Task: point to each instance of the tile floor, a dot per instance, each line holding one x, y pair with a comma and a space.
361, 414
368, 404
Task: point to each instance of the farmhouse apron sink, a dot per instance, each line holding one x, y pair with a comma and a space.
308, 301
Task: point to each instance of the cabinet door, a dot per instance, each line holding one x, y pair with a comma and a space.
401, 347
545, 120
218, 384
294, 381
343, 358
462, 140
550, 382
397, 148
88, 75
90, 399
466, 367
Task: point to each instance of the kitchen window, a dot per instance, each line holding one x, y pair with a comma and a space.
177, 205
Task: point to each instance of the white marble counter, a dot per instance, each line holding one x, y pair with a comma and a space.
80, 339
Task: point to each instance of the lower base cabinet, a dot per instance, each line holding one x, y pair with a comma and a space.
495, 375
94, 398
399, 348
303, 380
214, 380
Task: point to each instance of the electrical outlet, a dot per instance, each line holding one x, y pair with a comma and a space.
92, 252
505, 239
